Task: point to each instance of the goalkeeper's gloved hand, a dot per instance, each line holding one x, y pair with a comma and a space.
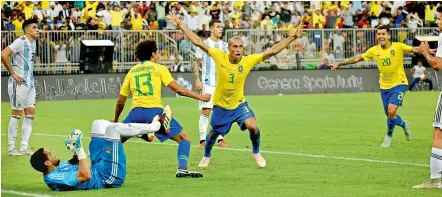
77, 136
69, 144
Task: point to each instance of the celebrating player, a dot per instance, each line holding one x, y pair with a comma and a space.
208, 77
144, 82
229, 103
108, 168
436, 150
21, 87
389, 57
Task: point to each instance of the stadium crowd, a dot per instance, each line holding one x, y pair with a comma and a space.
265, 17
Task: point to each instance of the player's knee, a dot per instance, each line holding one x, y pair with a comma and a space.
29, 111
112, 133
252, 128
17, 112
98, 128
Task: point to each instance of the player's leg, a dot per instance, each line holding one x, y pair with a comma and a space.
220, 123
114, 159
436, 151
395, 102
183, 140
16, 100
247, 121
141, 115
430, 83
413, 83
29, 105
206, 109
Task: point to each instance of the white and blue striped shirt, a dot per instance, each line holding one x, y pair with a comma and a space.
208, 64
23, 60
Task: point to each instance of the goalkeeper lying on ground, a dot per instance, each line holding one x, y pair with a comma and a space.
108, 168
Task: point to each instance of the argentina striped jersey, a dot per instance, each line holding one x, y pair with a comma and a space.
207, 63
23, 60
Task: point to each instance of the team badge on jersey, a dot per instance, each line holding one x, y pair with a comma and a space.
240, 68
392, 52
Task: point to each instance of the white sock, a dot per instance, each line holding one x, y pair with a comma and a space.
203, 124
134, 129
26, 131
220, 137
12, 131
436, 163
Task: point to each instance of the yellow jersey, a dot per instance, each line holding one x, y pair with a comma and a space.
390, 63
144, 82
229, 91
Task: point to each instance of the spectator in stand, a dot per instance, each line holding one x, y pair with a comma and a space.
324, 65
419, 73
430, 11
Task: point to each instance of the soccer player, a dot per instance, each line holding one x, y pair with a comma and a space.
436, 150
21, 87
108, 168
389, 57
208, 77
229, 103
144, 82
420, 73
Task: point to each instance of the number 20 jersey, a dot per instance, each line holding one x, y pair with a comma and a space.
390, 63
144, 82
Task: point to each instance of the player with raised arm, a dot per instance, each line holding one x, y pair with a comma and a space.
108, 161
208, 77
389, 57
229, 103
436, 150
143, 81
21, 87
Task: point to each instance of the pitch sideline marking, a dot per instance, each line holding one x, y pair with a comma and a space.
23, 193
276, 152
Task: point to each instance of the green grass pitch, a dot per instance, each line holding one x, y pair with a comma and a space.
315, 145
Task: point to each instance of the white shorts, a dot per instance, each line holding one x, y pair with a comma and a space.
437, 122
207, 90
21, 97
99, 128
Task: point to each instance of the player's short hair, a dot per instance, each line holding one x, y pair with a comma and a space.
28, 22
383, 27
439, 9
38, 160
145, 49
212, 22
234, 38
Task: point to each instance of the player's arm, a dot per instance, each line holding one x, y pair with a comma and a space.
84, 170
352, 60
283, 44
195, 39
16, 46
124, 93
434, 61
169, 82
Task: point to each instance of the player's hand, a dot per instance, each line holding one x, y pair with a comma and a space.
173, 18
299, 30
199, 85
424, 47
17, 78
205, 97
69, 145
334, 67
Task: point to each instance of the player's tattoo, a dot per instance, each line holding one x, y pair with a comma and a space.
352, 60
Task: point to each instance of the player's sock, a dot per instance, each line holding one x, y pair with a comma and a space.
220, 138
255, 138
183, 154
26, 131
399, 122
436, 163
210, 141
134, 129
12, 131
203, 124
390, 126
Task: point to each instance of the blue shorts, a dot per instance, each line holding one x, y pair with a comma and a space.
109, 160
393, 96
145, 115
222, 119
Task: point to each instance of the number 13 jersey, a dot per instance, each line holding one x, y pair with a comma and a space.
144, 82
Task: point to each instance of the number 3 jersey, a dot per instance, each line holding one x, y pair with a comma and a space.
229, 92
144, 82
390, 63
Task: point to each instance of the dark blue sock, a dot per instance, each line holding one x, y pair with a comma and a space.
255, 138
390, 126
399, 122
183, 154
209, 145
